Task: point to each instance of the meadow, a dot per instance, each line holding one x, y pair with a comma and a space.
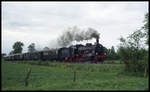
60, 76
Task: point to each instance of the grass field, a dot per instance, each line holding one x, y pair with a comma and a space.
59, 76
112, 61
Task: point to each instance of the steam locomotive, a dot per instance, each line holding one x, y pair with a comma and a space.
74, 53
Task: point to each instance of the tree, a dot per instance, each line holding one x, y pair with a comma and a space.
17, 47
11, 52
108, 53
31, 47
3, 55
131, 51
111, 54
146, 27
146, 33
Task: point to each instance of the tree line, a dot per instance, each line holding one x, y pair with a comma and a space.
133, 50
18, 48
111, 53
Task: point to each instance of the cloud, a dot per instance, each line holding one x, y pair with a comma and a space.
43, 22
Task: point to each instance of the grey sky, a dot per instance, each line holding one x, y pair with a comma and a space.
42, 22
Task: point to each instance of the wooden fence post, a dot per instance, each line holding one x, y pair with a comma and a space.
74, 76
145, 73
27, 77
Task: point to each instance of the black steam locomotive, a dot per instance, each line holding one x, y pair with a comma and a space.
74, 53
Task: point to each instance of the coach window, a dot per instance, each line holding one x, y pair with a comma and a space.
45, 53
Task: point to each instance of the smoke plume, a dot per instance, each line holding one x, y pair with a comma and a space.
76, 34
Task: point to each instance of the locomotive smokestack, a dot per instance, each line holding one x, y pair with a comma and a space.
97, 40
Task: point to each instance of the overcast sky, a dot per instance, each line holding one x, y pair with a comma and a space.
43, 22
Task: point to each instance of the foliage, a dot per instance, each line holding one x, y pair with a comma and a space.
111, 54
11, 52
132, 51
3, 55
146, 27
31, 47
17, 47
59, 77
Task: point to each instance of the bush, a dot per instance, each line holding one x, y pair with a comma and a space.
134, 60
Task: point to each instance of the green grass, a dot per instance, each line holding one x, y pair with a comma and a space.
112, 61
59, 76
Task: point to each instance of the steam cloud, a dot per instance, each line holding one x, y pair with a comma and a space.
76, 34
